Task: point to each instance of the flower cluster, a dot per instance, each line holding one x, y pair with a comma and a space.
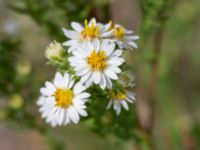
93, 56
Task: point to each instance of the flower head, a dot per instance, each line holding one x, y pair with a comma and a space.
119, 99
126, 79
97, 62
54, 50
62, 101
91, 31
83, 33
124, 38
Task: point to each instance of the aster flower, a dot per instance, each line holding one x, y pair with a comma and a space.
120, 99
81, 34
97, 63
54, 50
126, 79
124, 38
62, 101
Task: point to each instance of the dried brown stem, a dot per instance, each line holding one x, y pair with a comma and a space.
151, 95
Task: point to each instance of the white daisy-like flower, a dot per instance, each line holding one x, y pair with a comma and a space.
127, 79
124, 38
81, 34
62, 101
54, 50
120, 99
97, 63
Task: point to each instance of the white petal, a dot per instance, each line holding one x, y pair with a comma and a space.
96, 76
72, 48
71, 34
79, 53
109, 49
74, 59
117, 53
50, 86
71, 82
66, 79
115, 61
131, 95
111, 74
83, 95
55, 113
82, 71
109, 104
102, 83
96, 44
73, 114
46, 91
61, 116
78, 101
40, 101
86, 77
70, 43
92, 21
82, 112
78, 88
89, 81
117, 107
88, 47
132, 44
107, 34
132, 37
124, 104
77, 26
66, 120
108, 82
115, 69
58, 79
103, 45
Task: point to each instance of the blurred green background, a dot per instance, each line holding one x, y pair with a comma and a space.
166, 115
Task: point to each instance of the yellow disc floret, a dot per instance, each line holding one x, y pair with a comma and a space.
121, 96
63, 97
119, 32
117, 95
90, 31
97, 60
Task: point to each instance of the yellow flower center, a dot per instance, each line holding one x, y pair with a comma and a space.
63, 97
119, 32
118, 95
90, 32
97, 60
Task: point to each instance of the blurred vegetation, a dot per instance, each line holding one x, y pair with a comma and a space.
167, 65
62, 11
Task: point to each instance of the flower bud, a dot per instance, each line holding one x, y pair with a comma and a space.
54, 50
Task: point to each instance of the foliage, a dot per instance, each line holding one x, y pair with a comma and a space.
62, 11
8, 50
154, 16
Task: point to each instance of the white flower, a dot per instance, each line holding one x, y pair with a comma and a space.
119, 99
81, 34
127, 79
97, 63
62, 101
54, 50
124, 38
